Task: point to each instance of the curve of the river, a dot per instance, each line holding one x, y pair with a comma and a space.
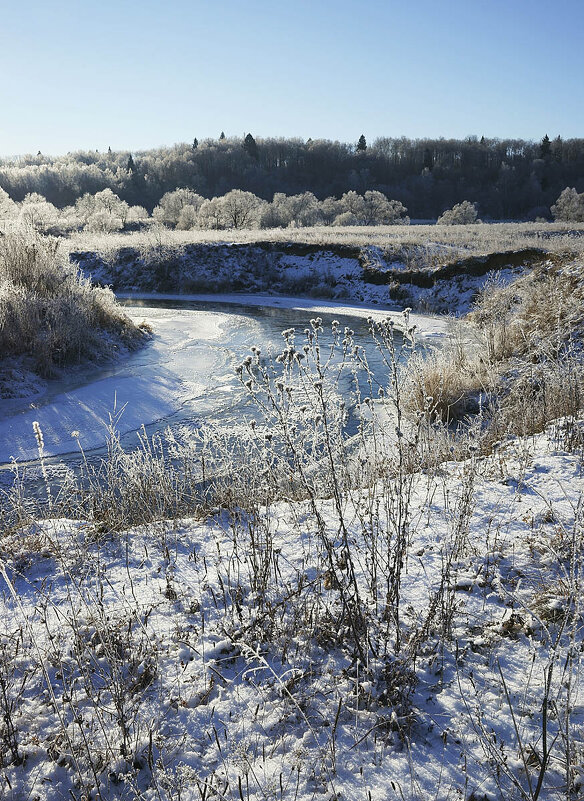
184, 376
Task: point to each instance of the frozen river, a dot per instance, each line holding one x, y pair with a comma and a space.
184, 376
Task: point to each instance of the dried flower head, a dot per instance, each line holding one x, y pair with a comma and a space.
38, 434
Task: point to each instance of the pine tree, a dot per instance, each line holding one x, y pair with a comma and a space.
131, 167
250, 146
222, 135
362, 144
195, 143
545, 147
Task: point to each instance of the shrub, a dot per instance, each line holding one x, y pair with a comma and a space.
569, 206
446, 388
50, 312
461, 214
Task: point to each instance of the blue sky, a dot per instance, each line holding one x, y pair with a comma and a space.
137, 74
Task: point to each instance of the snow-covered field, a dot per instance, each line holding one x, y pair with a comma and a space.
215, 657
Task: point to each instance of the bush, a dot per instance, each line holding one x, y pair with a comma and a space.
50, 312
569, 206
463, 213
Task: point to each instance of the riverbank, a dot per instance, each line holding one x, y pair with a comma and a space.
77, 409
429, 279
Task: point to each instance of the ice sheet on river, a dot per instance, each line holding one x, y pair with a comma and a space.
147, 386
190, 357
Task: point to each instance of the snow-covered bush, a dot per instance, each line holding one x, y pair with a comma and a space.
168, 211
103, 222
49, 312
291, 211
569, 206
35, 212
463, 213
8, 208
346, 218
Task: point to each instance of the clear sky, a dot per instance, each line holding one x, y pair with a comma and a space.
135, 74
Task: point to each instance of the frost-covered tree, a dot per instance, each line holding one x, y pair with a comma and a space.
330, 208
346, 218
272, 214
295, 210
304, 209
103, 212
569, 206
353, 203
102, 222
38, 213
461, 214
188, 218
137, 214
379, 210
241, 209
211, 214
85, 207
171, 205
8, 208
372, 208
106, 200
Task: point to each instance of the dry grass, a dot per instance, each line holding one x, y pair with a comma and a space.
451, 242
524, 366
446, 388
52, 314
533, 317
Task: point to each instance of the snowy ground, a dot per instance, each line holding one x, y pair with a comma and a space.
152, 664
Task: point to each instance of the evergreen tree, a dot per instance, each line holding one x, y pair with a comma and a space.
362, 144
195, 143
131, 167
545, 147
250, 146
222, 135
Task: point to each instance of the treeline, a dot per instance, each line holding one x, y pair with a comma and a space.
183, 209
506, 178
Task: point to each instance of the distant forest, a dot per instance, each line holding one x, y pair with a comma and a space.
505, 178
